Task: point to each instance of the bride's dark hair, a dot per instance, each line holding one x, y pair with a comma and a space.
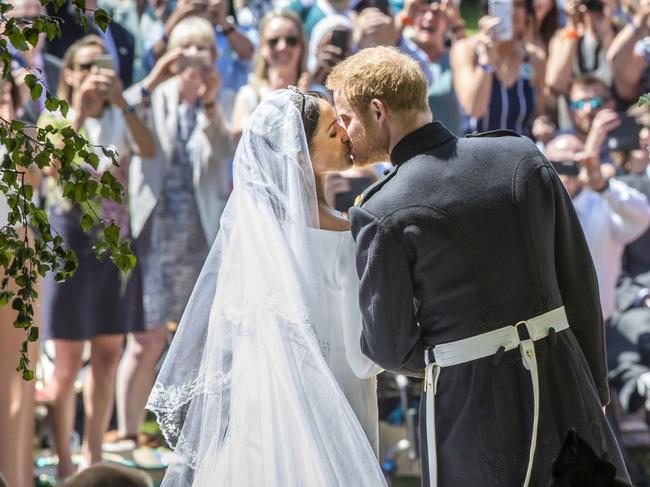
307, 104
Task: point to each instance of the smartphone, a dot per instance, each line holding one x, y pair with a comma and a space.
382, 5
594, 5
199, 60
502, 9
104, 61
341, 39
566, 168
626, 136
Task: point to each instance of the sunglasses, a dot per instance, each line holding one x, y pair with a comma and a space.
594, 103
291, 41
85, 66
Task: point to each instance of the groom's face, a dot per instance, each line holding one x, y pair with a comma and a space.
368, 140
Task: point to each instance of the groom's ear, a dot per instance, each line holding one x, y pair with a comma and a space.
378, 111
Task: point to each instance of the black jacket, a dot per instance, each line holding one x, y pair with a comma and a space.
466, 236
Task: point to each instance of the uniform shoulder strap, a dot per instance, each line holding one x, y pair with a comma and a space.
494, 133
373, 188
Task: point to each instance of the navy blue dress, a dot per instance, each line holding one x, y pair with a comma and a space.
510, 108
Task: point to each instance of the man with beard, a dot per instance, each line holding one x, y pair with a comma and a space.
593, 113
475, 275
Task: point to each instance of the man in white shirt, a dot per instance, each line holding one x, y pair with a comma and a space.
612, 214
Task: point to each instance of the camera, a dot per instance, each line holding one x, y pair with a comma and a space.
566, 167
594, 5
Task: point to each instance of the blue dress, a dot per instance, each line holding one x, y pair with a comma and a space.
510, 108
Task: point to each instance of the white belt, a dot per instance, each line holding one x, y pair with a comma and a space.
480, 346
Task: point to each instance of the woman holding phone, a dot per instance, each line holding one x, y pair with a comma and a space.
176, 199
91, 306
498, 73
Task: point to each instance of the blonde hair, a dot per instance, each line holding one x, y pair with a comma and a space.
261, 67
108, 476
65, 90
195, 29
382, 73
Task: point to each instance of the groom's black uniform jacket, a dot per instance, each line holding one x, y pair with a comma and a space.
464, 236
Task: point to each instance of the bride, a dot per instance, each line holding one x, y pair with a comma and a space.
265, 383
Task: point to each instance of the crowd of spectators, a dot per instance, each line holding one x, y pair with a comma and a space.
171, 84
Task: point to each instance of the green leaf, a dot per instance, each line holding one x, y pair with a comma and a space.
93, 160
28, 191
42, 159
5, 297
87, 222
31, 35
101, 19
112, 234
63, 106
17, 39
17, 304
17, 125
51, 104
69, 190
5, 7
30, 81
52, 30
36, 91
33, 334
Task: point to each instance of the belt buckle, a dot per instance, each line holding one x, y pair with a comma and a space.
522, 331
430, 365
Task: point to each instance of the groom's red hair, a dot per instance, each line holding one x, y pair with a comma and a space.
382, 73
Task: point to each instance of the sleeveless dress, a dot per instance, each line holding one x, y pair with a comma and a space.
510, 108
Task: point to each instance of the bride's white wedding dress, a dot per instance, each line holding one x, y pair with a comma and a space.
246, 396
338, 327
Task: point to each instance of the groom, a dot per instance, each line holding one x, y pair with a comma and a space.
476, 276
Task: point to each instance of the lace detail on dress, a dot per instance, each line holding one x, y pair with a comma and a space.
170, 404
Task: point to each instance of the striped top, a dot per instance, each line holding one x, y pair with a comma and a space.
510, 108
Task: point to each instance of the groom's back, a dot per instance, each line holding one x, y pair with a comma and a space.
476, 217
473, 234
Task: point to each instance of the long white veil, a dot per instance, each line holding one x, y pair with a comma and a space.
245, 396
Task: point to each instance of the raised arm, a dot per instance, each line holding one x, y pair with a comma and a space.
472, 61
628, 65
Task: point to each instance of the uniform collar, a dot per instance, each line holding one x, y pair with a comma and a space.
420, 141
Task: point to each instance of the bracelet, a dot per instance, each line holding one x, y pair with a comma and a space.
209, 105
571, 34
145, 92
128, 109
488, 68
405, 19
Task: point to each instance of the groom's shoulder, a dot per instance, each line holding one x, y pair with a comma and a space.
375, 187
